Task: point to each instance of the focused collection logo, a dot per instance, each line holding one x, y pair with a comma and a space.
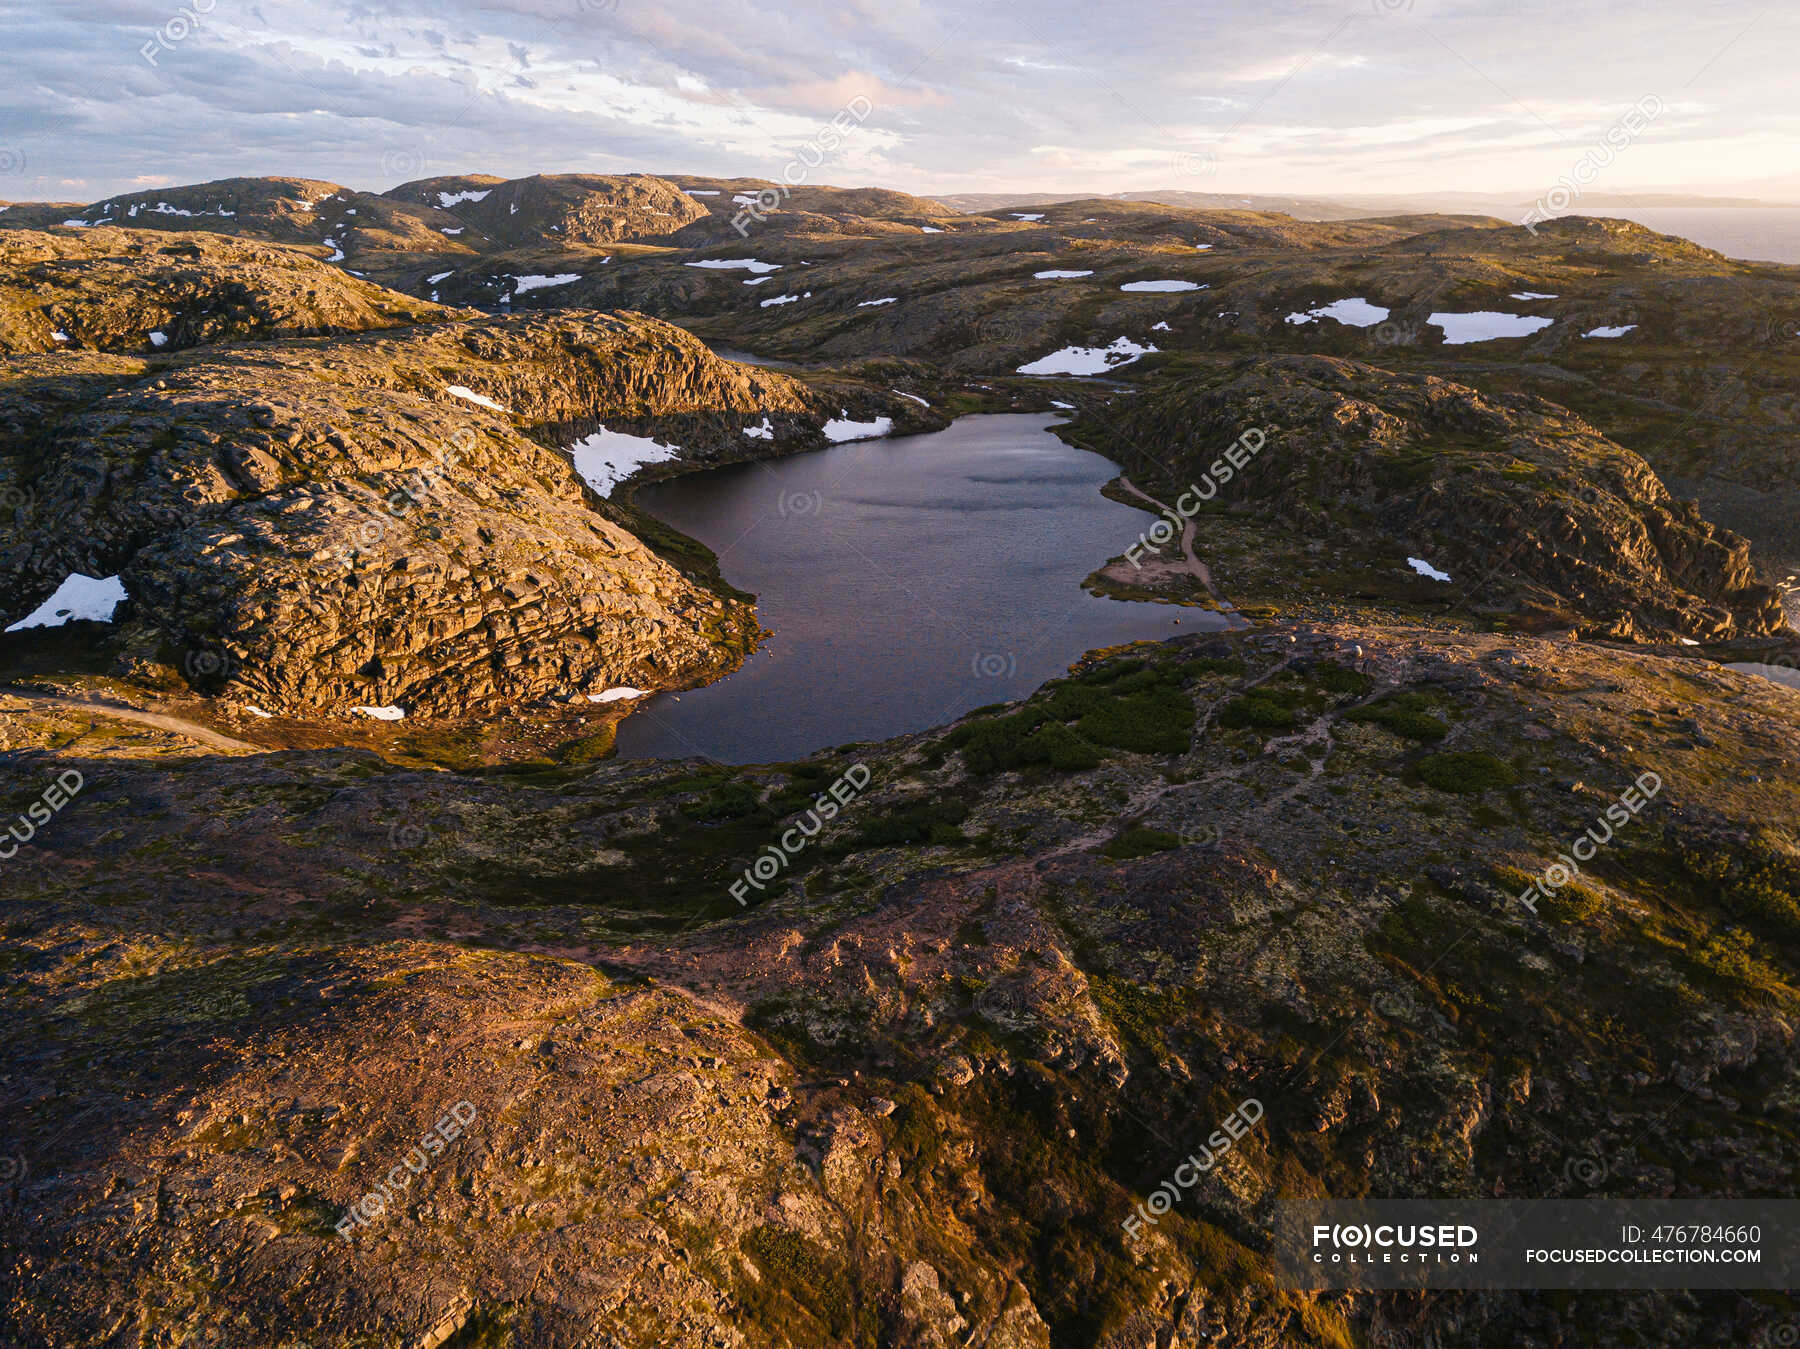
1395, 1244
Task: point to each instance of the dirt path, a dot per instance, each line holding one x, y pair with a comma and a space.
124, 712
1198, 569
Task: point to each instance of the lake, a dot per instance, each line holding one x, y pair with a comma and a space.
905, 581
1757, 233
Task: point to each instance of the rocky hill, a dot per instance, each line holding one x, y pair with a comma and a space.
1521, 505
574, 208
352, 998
132, 291
385, 521
911, 1097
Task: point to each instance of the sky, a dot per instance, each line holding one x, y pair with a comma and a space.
1319, 97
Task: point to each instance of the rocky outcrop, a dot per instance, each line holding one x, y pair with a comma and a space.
326, 525
139, 291
567, 208
913, 1097
274, 207
1520, 501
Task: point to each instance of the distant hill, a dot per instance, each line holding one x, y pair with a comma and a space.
1505, 204
1301, 208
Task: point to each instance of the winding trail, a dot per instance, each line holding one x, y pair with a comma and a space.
1198, 569
161, 721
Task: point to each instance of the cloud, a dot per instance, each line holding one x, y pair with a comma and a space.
1315, 96
827, 96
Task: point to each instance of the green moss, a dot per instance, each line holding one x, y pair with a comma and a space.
1025, 739
933, 821
1127, 705
733, 801
487, 1328
1342, 680
801, 1276
1159, 721
1574, 903
1406, 472
1732, 957
1204, 667
588, 749
1142, 1014
1465, 772
1259, 710
1135, 843
1407, 715
919, 1130
1758, 885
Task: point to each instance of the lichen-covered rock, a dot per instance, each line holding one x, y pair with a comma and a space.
566, 208
742, 1132
324, 526
1520, 502
138, 291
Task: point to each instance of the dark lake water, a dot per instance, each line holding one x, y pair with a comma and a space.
1759, 233
906, 582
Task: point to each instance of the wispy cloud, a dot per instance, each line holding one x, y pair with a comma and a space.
1313, 96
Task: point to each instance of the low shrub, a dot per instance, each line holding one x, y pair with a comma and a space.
1135, 843
1466, 772
1407, 715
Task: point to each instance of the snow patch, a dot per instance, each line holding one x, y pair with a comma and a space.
86, 598
1612, 332
1087, 360
606, 458
840, 430
256, 711
927, 229
1159, 287
159, 339
618, 695
764, 432
915, 397
433, 280
1353, 313
780, 299
1018, 215
701, 191
1161, 328
1424, 568
1060, 276
381, 713
870, 304
462, 392
1485, 326
448, 199
525, 283
1531, 295
736, 265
